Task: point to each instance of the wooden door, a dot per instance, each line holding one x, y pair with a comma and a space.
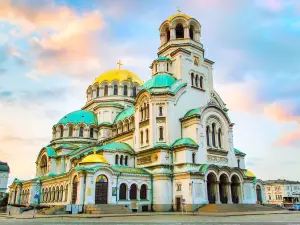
178, 204
74, 193
101, 193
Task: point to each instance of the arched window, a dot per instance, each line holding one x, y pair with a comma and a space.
46, 195
147, 136
121, 159
147, 109
122, 192
125, 90
80, 131
105, 90
44, 165
191, 32
160, 111
207, 136
220, 137
66, 193
92, 133
196, 81
98, 91
168, 34
201, 82
168, 67
133, 191
115, 89
156, 68
143, 192
70, 131
213, 134
179, 31
238, 161
60, 193
57, 194
117, 159
53, 194
126, 160
194, 158
142, 137
61, 131
192, 79
134, 92
161, 133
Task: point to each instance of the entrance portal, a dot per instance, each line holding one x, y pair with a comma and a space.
178, 204
235, 189
258, 194
101, 190
223, 188
212, 188
74, 190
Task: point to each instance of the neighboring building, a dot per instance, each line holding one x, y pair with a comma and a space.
282, 192
160, 143
4, 171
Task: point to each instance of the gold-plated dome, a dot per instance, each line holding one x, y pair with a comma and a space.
178, 15
250, 174
94, 158
119, 75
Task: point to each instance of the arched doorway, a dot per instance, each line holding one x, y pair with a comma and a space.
235, 189
133, 192
15, 197
101, 190
223, 188
74, 189
212, 188
258, 194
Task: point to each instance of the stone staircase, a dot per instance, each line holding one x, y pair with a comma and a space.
105, 209
226, 208
53, 210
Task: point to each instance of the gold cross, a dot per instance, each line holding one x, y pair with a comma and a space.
178, 10
120, 64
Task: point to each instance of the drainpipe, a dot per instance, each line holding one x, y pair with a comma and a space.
172, 177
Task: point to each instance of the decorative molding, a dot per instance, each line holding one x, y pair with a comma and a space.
216, 159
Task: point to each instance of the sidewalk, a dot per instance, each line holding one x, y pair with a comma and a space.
153, 214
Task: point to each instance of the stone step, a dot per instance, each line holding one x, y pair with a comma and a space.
236, 208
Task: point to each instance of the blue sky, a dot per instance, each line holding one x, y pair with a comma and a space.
50, 51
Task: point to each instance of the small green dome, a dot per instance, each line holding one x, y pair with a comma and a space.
159, 81
4, 167
79, 116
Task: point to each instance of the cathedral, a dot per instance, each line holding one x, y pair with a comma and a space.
158, 145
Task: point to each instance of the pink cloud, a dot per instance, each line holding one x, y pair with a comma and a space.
281, 113
290, 138
271, 5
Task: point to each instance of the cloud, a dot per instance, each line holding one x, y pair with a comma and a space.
282, 113
291, 138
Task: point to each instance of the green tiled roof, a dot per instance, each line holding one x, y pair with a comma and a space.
124, 114
236, 151
105, 124
50, 151
163, 58
192, 112
159, 81
4, 167
118, 169
203, 168
161, 145
79, 116
79, 149
185, 142
68, 146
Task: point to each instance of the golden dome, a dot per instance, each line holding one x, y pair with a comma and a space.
250, 174
178, 15
119, 75
94, 158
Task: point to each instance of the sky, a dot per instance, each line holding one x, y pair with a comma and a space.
51, 51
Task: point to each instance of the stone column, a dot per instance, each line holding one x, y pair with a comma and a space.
217, 192
186, 32
81, 190
172, 34
89, 186
138, 194
128, 194
18, 198
63, 164
229, 193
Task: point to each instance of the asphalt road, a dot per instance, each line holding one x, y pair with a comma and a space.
291, 219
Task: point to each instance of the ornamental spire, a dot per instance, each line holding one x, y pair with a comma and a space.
119, 64
178, 10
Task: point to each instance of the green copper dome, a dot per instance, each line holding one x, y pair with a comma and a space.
80, 116
125, 114
4, 167
159, 81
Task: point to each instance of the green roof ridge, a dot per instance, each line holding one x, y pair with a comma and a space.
124, 114
236, 151
79, 116
185, 142
159, 81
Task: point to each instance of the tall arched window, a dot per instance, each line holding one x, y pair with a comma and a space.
71, 131
122, 192
57, 194
196, 80
168, 67
133, 191
207, 136
125, 92
160, 110
213, 132
46, 195
61, 193
238, 161
156, 67
220, 137
134, 92
168, 34
80, 131
142, 137
161, 133
117, 159
201, 82
126, 160
105, 90
194, 158
147, 136
44, 165
143, 192
115, 89
179, 31
192, 79
61, 131
66, 193
121, 159
191, 32
92, 133
98, 91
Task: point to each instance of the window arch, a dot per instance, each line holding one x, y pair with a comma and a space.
80, 131
220, 137
46, 195
121, 159
179, 31
53, 194
126, 160
91, 132
105, 90
125, 91
60, 193
57, 194
213, 134
238, 162
168, 33
196, 80
134, 92
66, 193
160, 110
142, 137
98, 91
161, 133
115, 89
191, 31
133, 191
201, 82
71, 131
194, 157
43, 165
61, 131
192, 79
122, 192
117, 159
207, 136
147, 136
143, 192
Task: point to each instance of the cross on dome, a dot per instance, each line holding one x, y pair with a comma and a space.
178, 10
119, 64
